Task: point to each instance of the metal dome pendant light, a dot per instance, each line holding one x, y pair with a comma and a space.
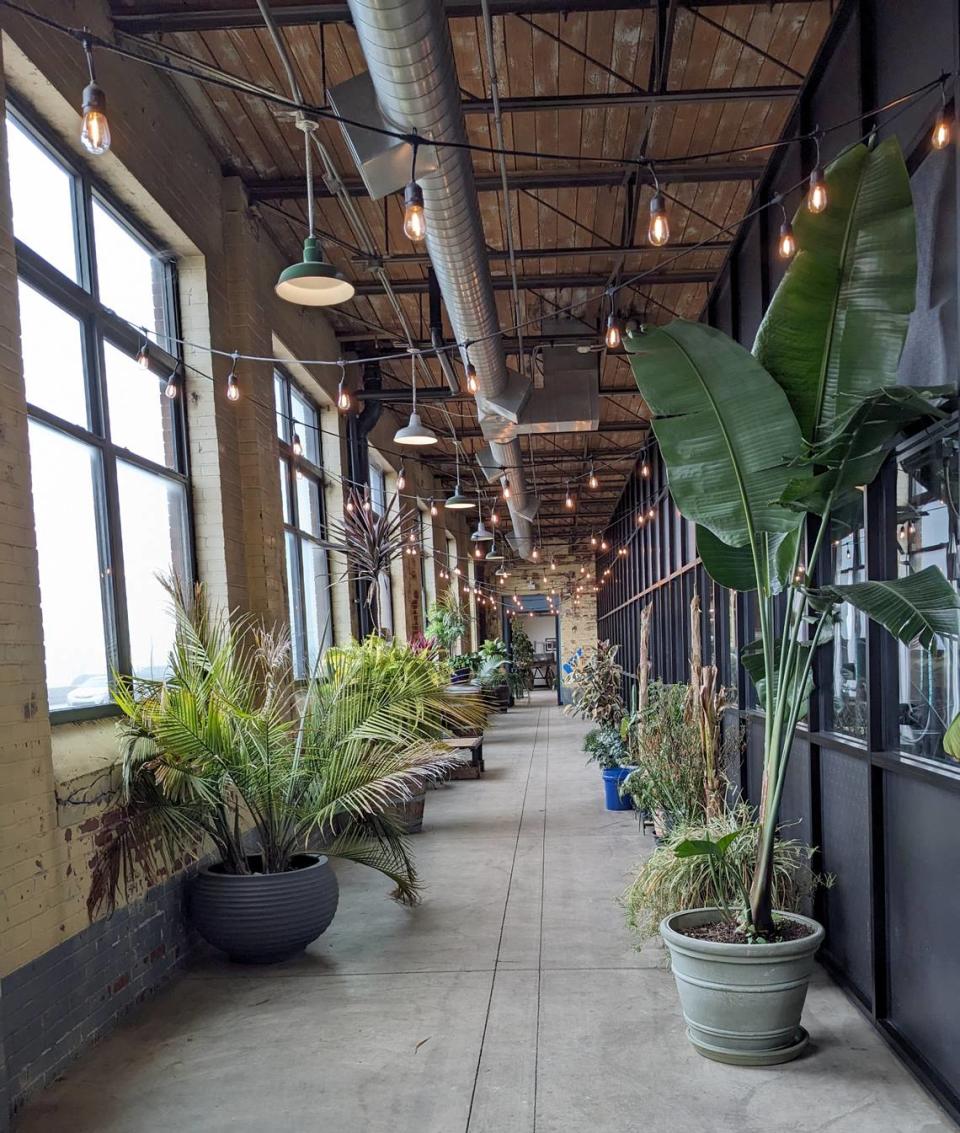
458, 501
313, 282
414, 433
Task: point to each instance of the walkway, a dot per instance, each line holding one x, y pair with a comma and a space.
511, 1001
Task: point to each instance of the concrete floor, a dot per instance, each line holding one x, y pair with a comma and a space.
511, 1001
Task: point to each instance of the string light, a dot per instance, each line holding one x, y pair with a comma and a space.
593, 540
622, 552
95, 129
787, 244
645, 471
614, 334
343, 398
603, 545
817, 193
233, 389
535, 554
414, 221
494, 518
296, 445
506, 487
593, 481
143, 354
433, 510
658, 230
940, 137
569, 499
472, 384
172, 388
401, 480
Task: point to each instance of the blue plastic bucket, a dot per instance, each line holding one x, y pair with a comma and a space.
612, 778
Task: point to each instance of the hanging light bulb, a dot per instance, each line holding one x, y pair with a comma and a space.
658, 230
143, 354
593, 481
433, 510
622, 552
472, 383
296, 445
650, 514
593, 540
940, 137
506, 487
95, 129
817, 193
233, 389
569, 500
172, 388
414, 221
343, 398
350, 510
787, 245
614, 333
645, 471
604, 546
535, 554
494, 518
478, 553
401, 480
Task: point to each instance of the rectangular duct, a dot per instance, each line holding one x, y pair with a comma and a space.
383, 161
569, 399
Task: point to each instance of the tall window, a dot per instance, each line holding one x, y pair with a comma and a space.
849, 701
928, 534
304, 524
378, 502
107, 452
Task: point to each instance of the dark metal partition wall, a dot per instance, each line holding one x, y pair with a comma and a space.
884, 811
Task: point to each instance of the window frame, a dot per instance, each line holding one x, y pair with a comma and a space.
295, 466
101, 326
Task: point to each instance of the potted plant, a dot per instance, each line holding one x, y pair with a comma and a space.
605, 747
761, 449
229, 753
521, 657
492, 674
446, 621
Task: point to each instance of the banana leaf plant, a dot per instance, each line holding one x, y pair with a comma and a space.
765, 450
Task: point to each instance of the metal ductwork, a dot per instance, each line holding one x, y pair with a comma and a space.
407, 47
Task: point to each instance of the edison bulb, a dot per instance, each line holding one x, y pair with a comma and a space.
472, 378
788, 244
95, 130
233, 389
414, 221
612, 338
343, 400
658, 231
817, 193
940, 137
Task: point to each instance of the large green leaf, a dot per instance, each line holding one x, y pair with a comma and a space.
836, 326
751, 657
920, 607
852, 451
724, 426
733, 567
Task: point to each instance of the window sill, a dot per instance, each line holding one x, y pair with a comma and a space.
86, 767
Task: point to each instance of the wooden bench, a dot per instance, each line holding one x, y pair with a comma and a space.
472, 744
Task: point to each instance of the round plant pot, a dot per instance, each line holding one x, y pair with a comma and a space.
742, 1002
262, 918
612, 778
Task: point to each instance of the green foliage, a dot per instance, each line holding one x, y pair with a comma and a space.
521, 651
754, 444
605, 747
665, 747
446, 621
675, 877
596, 683
951, 740
492, 669
228, 752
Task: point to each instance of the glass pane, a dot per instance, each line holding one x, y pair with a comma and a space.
51, 341
66, 484
316, 606
849, 635
308, 505
285, 491
42, 195
378, 489
141, 418
928, 494
130, 277
280, 401
295, 600
305, 422
153, 526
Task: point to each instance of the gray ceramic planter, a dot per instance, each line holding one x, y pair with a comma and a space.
741, 1002
262, 918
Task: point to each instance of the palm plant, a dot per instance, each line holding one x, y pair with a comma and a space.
229, 753
761, 448
446, 620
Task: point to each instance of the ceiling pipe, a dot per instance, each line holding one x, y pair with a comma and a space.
409, 54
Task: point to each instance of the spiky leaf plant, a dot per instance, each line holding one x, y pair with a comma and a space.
229, 754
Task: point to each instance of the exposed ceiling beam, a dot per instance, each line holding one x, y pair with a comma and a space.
441, 393
547, 282
694, 172
245, 14
421, 259
360, 340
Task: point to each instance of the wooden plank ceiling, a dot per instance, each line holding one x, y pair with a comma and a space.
595, 47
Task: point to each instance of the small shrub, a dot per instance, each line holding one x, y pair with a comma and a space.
605, 748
